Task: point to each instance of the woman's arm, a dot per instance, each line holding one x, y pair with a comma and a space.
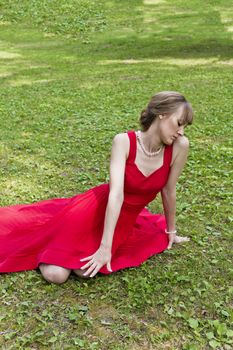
116, 192
168, 193
119, 154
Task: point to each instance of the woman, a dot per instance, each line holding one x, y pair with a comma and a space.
107, 228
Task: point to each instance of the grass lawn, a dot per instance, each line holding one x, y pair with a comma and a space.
73, 74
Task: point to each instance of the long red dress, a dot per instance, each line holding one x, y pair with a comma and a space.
62, 231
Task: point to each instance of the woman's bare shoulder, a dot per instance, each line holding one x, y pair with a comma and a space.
180, 146
181, 143
121, 140
121, 137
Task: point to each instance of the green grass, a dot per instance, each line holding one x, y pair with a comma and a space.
73, 74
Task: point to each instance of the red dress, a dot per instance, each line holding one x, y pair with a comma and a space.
62, 231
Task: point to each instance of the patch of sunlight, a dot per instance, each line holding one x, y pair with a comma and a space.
40, 44
122, 36
188, 12
168, 26
4, 75
228, 62
70, 58
189, 61
15, 64
9, 55
33, 161
125, 30
167, 60
152, 2
20, 186
32, 66
144, 36
18, 65
149, 20
4, 23
49, 35
150, 16
150, 13
226, 18
21, 82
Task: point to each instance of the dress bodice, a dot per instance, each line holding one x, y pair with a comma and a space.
139, 189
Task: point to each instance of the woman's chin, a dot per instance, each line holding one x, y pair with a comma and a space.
169, 141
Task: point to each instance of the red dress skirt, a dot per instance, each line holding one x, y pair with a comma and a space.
61, 231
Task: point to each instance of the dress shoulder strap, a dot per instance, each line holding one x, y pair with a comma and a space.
132, 145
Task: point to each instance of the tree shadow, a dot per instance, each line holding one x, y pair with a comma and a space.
161, 32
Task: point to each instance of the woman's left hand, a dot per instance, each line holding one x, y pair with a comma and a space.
101, 257
173, 238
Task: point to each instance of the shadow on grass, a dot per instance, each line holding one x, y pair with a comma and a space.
163, 29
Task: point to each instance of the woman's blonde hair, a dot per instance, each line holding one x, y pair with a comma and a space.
165, 102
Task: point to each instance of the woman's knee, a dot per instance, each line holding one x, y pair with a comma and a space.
54, 274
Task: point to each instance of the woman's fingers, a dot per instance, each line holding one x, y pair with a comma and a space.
171, 241
171, 238
185, 239
109, 266
95, 271
91, 268
177, 239
96, 261
87, 265
180, 239
87, 258
169, 245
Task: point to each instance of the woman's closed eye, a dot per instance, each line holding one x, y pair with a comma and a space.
182, 124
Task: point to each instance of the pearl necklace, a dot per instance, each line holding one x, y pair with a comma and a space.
147, 153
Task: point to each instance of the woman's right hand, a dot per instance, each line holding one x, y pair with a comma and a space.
97, 260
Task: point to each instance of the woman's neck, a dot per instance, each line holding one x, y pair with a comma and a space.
151, 139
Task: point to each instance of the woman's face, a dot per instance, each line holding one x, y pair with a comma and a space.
171, 126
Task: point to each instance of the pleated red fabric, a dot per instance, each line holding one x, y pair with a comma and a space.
61, 231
